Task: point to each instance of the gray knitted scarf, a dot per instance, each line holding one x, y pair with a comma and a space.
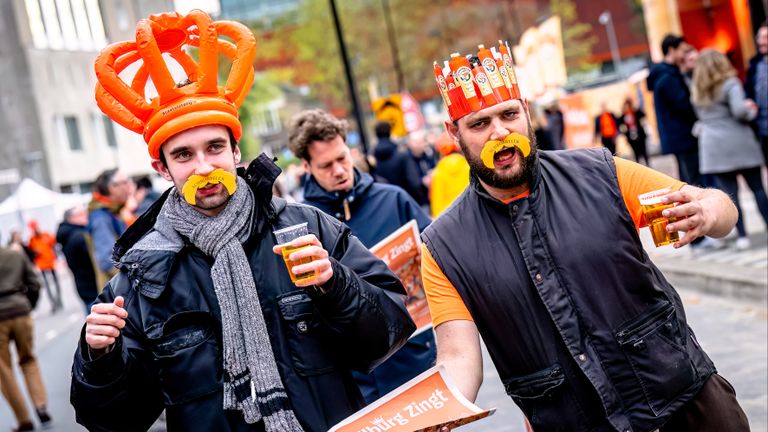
251, 382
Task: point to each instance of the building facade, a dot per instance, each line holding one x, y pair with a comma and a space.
55, 133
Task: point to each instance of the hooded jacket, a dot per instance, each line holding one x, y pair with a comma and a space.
398, 168
376, 211
674, 112
169, 354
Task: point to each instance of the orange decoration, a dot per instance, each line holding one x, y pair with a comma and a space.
175, 109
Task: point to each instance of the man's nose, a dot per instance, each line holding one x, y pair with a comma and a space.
203, 166
338, 169
499, 130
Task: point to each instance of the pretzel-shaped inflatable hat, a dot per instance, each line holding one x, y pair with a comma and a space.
175, 109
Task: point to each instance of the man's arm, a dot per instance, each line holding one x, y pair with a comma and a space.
701, 212
458, 349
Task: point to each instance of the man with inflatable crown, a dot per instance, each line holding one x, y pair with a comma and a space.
203, 320
541, 256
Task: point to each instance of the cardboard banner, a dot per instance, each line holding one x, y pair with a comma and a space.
401, 250
423, 404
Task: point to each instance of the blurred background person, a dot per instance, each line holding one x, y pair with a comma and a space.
727, 144
606, 128
393, 165
632, 124
16, 242
108, 218
420, 150
688, 64
43, 246
541, 130
19, 291
555, 125
76, 245
451, 174
145, 195
756, 86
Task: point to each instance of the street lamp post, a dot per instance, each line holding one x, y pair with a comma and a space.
607, 20
350, 77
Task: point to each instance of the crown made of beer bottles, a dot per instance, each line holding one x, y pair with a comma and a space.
200, 101
477, 81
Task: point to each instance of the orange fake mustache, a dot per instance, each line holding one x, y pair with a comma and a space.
510, 141
195, 182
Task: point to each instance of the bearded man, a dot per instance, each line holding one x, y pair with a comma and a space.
541, 256
203, 320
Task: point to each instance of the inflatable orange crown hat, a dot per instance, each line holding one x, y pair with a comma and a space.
175, 109
477, 81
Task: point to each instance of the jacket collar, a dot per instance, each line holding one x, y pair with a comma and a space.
313, 192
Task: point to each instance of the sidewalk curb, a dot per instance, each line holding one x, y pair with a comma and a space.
745, 284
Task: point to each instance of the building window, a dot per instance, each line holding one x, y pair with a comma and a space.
109, 131
73, 133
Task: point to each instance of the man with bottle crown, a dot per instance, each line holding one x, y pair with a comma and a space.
202, 320
541, 257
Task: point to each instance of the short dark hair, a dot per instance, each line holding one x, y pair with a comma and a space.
143, 182
101, 185
232, 142
383, 129
313, 125
671, 41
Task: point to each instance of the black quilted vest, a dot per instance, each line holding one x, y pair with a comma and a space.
584, 330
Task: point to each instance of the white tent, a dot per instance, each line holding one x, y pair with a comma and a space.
33, 201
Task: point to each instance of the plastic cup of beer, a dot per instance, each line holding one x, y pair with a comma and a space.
286, 235
652, 207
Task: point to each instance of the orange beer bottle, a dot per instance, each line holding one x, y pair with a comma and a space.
481, 78
463, 75
492, 71
507, 58
441, 84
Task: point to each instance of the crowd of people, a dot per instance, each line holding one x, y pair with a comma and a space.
190, 309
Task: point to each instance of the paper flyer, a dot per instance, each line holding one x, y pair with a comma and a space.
401, 250
425, 403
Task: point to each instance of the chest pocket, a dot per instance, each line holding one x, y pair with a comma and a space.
187, 357
309, 338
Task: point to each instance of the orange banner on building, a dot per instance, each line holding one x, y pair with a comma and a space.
401, 250
577, 122
423, 404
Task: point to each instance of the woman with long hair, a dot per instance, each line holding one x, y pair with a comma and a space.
727, 146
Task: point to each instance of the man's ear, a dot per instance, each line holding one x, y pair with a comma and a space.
453, 130
161, 169
305, 165
237, 154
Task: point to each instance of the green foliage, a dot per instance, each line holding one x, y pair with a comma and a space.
578, 37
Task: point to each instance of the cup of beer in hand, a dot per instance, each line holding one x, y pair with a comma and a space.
652, 207
287, 235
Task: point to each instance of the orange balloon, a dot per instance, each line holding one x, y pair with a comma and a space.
175, 109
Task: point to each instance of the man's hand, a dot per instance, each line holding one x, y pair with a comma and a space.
699, 212
103, 324
320, 264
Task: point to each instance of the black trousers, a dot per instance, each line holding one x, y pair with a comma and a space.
714, 409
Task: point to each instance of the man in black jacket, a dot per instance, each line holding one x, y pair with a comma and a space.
76, 245
203, 319
756, 85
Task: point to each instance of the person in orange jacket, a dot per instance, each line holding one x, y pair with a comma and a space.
42, 244
450, 176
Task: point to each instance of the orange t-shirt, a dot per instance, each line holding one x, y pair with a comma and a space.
445, 303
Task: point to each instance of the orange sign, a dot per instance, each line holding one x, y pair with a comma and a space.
401, 250
425, 403
576, 121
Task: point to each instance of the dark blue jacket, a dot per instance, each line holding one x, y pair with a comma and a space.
398, 168
674, 113
376, 210
74, 244
169, 354
586, 333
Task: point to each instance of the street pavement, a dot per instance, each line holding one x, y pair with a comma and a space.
724, 293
